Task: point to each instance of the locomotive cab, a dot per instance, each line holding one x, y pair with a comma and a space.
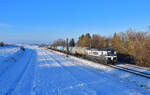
111, 56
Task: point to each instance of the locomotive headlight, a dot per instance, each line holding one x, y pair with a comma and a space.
112, 58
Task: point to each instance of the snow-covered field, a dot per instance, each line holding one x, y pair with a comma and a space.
40, 72
7, 51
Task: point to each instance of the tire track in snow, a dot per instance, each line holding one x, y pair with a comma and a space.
36, 83
59, 85
14, 78
10, 64
26, 81
45, 62
14, 85
81, 83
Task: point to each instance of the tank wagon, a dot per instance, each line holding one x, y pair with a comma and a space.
79, 51
60, 48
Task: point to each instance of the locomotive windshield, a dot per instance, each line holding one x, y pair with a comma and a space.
111, 53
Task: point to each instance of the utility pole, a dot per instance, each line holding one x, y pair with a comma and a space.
90, 43
67, 47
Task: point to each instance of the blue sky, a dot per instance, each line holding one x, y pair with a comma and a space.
47, 20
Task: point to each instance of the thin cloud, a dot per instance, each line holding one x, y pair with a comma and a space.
5, 25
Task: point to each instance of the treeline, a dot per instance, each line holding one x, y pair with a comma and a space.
131, 46
135, 44
94, 41
61, 42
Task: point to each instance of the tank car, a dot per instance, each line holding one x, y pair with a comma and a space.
60, 48
79, 50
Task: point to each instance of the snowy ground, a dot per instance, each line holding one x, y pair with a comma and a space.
7, 51
40, 72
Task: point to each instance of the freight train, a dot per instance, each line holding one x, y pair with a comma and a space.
108, 56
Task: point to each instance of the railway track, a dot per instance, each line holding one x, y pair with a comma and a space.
136, 72
137, 67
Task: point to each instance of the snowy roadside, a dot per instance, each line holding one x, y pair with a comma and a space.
8, 52
17, 75
122, 75
11, 59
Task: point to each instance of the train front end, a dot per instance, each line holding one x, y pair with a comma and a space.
111, 57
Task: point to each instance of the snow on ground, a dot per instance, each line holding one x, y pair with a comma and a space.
66, 76
7, 51
40, 72
9, 56
18, 74
121, 75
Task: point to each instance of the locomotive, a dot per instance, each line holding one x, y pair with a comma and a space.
105, 55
